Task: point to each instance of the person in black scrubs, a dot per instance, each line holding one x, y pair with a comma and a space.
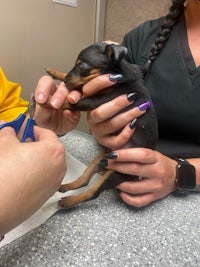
167, 50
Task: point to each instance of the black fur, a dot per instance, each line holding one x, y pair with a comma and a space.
100, 59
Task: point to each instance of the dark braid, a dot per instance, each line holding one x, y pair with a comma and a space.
170, 20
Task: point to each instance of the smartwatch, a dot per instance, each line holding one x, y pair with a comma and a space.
185, 175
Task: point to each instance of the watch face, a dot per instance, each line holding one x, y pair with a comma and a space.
186, 176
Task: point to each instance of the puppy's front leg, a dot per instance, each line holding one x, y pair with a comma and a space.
55, 74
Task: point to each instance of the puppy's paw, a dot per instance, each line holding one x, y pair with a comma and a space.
64, 188
67, 202
55, 74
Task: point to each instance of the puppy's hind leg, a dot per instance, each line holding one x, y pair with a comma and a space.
87, 175
91, 193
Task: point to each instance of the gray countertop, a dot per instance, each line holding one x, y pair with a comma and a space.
107, 233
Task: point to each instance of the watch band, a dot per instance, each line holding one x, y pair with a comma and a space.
180, 160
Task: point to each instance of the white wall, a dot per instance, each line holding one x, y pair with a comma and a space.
39, 33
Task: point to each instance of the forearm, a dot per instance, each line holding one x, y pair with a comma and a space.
30, 174
11, 217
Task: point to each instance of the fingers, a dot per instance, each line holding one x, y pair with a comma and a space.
52, 116
116, 122
137, 201
72, 118
74, 96
91, 88
109, 109
142, 162
59, 97
133, 167
104, 123
140, 155
46, 87
116, 141
73, 115
141, 193
158, 174
97, 84
138, 187
7, 134
42, 134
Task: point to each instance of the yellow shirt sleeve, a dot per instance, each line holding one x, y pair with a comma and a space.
11, 104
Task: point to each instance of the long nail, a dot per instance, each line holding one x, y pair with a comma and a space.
115, 77
103, 162
132, 96
132, 124
144, 106
111, 155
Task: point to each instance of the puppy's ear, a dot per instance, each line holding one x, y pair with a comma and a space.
115, 52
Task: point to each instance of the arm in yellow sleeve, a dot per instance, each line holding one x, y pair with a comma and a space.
11, 103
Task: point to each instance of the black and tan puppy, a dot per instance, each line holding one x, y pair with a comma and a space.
99, 59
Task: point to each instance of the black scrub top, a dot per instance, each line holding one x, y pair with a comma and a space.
173, 81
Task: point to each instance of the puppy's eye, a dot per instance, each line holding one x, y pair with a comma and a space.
83, 69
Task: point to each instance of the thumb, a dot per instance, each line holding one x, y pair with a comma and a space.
8, 133
44, 134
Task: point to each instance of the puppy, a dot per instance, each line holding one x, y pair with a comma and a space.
97, 59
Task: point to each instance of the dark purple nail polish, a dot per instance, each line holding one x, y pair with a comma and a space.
115, 77
111, 155
132, 96
103, 162
132, 124
144, 106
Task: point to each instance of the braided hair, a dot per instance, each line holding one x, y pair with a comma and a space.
175, 11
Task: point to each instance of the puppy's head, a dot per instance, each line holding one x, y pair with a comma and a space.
99, 58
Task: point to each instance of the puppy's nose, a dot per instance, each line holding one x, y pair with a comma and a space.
68, 82
67, 78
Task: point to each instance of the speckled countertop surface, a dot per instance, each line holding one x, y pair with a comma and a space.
107, 233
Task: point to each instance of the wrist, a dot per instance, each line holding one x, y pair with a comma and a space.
173, 175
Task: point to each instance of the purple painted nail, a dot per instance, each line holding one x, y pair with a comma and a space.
144, 106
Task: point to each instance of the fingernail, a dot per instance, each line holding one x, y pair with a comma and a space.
132, 96
144, 106
111, 155
115, 77
103, 162
74, 99
132, 124
40, 97
55, 103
